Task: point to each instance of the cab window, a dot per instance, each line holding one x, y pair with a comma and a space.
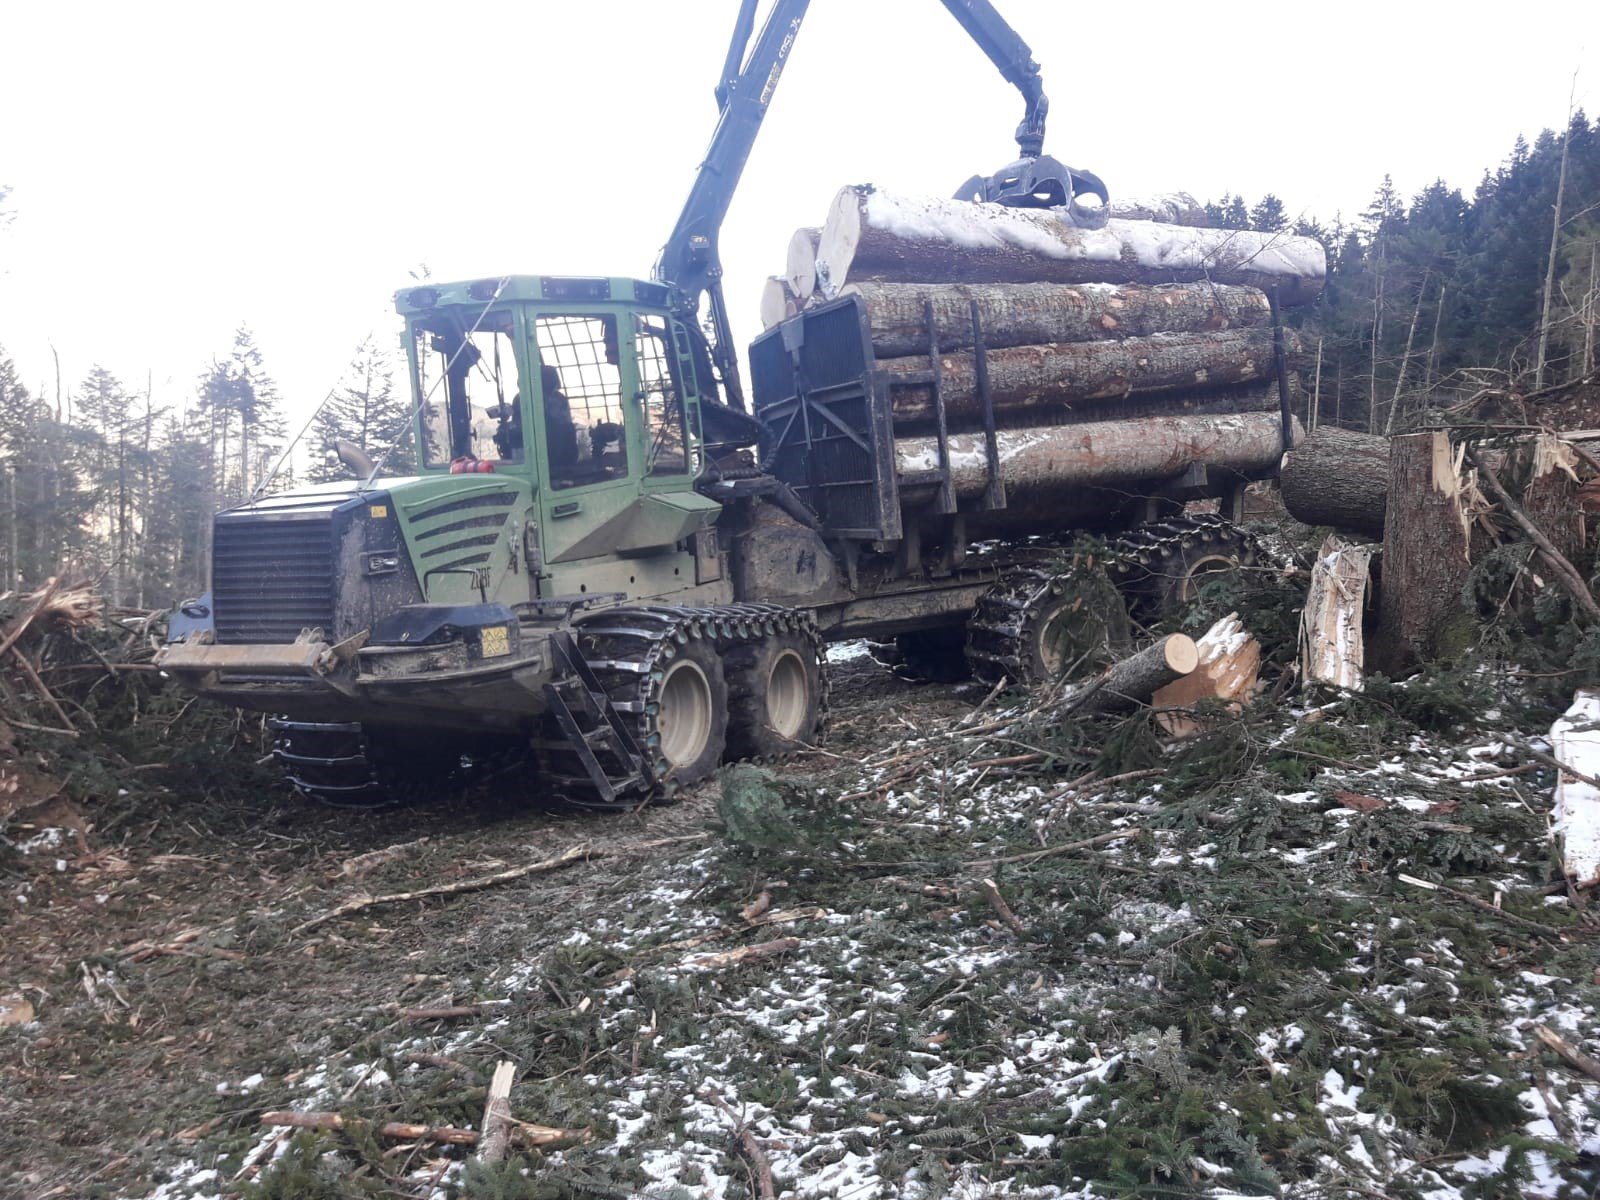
580, 385
467, 370
666, 447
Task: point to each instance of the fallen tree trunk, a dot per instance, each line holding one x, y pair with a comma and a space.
522, 1133
1338, 478
1043, 378
1040, 462
800, 264
1031, 314
873, 235
1133, 680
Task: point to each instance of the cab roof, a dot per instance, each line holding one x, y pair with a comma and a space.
587, 289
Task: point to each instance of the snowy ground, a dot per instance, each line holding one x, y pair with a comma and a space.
1240, 996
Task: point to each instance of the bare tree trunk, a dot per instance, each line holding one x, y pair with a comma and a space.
1555, 243
1405, 360
1591, 306
1433, 350
1316, 390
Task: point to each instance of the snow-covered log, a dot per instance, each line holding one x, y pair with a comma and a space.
1047, 378
1172, 208
1032, 314
1037, 463
875, 235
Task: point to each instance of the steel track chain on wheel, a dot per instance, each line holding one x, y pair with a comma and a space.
1033, 625
632, 651
348, 765
327, 762
1160, 563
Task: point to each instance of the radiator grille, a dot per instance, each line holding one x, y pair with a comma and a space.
272, 577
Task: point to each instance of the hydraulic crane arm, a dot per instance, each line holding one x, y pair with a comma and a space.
690, 261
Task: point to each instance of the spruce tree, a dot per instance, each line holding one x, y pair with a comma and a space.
366, 411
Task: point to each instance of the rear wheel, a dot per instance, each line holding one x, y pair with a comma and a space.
775, 696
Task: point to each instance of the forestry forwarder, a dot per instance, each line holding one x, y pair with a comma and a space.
592, 560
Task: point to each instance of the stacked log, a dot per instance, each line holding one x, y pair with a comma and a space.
1113, 357
875, 235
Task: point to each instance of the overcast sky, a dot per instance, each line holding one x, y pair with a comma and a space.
181, 168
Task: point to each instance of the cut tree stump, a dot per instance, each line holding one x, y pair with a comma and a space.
1042, 380
1427, 538
875, 235
1033, 314
1339, 478
1228, 668
1332, 646
1134, 680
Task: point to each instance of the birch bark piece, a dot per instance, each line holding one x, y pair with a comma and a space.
1332, 650
875, 235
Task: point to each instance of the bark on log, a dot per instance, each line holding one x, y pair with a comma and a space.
1030, 314
873, 235
522, 1133
1132, 681
778, 302
1024, 379
1048, 460
1426, 548
1338, 478
800, 269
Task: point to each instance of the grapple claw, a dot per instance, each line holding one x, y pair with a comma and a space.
1042, 182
